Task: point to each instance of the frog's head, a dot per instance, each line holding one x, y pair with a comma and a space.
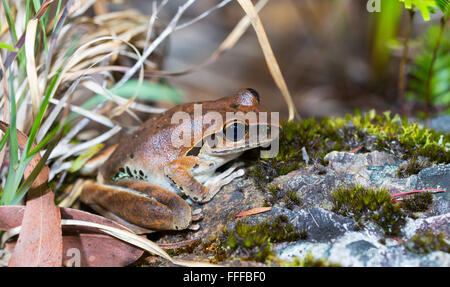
245, 124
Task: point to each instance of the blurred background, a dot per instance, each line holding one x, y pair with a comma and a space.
335, 55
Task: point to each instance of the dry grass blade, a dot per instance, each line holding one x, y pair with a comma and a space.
33, 83
272, 63
73, 195
70, 149
136, 240
86, 113
98, 89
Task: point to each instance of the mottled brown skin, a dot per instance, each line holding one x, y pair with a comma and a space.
153, 173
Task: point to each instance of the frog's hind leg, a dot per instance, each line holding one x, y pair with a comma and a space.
139, 203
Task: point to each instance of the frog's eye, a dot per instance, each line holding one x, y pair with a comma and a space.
235, 130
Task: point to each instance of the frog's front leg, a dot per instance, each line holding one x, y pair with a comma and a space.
180, 172
140, 203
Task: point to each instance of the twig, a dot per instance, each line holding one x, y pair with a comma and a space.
203, 15
436, 190
169, 29
313, 218
151, 22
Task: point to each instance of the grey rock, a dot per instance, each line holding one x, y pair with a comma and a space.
320, 224
441, 124
363, 249
311, 188
438, 224
372, 170
437, 176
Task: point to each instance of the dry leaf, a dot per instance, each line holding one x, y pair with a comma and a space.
253, 211
95, 249
40, 239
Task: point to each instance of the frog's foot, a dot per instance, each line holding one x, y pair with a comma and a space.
197, 214
140, 204
215, 184
226, 176
179, 172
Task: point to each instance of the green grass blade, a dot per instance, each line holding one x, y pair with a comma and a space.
8, 47
8, 192
10, 20
40, 115
4, 139
58, 8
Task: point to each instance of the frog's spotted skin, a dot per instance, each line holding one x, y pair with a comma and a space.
142, 181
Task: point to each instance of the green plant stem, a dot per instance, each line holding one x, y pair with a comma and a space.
430, 71
401, 72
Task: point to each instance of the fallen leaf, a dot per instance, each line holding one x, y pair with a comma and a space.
40, 239
253, 211
94, 248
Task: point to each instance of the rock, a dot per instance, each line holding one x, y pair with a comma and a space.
438, 224
440, 124
320, 224
437, 176
372, 170
311, 188
359, 249
331, 236
239, 195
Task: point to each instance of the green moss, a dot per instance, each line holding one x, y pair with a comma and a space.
254, 242
419, 202
290, 198
216, 249
424, 243
367, 204
309, 261
185, 249
413, 166
370, 131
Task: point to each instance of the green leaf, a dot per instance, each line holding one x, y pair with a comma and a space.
8, 47
427, 6
148, 91
80, 161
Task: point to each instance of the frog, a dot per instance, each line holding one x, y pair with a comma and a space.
150, 184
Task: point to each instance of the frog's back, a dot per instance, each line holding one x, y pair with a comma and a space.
144, 153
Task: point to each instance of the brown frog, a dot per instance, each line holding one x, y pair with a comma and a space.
143, 181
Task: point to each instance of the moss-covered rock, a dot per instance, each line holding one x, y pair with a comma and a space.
254, 241
426, 242
365, 133
367, 204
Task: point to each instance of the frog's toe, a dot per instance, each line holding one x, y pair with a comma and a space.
197, 217
194, 227
197, 211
